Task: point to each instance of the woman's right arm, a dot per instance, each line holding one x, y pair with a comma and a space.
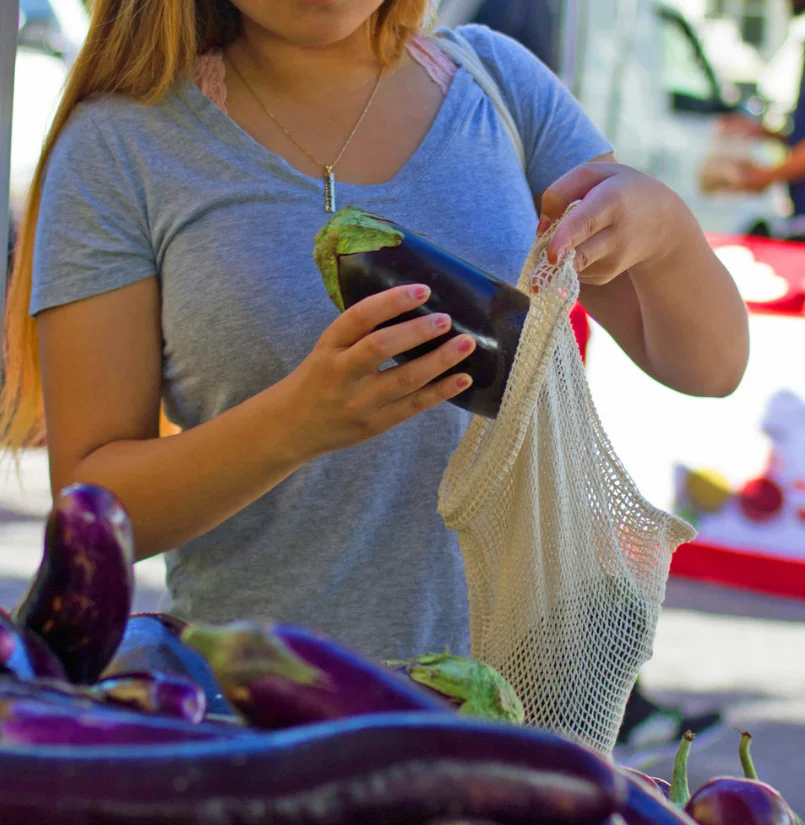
101, 372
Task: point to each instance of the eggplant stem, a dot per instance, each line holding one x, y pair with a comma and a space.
746, 757
680, 791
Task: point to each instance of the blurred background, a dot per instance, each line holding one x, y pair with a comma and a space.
663, 80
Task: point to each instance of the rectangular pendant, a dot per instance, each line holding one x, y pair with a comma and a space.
329, 189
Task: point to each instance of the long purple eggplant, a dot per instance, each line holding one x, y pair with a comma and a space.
153, 693
151, 644
360, 254
80, 599
396, 769
54, 718
278, 675
24, 654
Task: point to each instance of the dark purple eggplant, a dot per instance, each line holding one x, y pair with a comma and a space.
151, 644
24, 654
360, 255
56, 718
80, 598
727, 801
647, 807
472, 687
278, 675
153, 693
396, 769
650, 783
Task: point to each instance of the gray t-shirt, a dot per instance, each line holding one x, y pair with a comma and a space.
351, 543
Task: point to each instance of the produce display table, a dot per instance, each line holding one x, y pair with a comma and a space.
766, 556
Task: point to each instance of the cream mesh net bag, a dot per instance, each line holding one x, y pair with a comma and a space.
566, 562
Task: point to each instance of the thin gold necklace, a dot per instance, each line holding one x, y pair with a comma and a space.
328, 168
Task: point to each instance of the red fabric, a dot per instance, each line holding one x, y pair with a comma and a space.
581, 327
785, 258
748, 570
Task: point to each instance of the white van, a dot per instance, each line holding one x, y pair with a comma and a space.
643, 75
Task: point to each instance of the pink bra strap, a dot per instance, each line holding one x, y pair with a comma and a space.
210, 72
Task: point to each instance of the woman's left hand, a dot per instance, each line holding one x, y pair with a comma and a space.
624, 219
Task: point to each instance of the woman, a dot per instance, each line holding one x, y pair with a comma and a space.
169, 243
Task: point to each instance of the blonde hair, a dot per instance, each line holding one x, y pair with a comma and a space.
140, 49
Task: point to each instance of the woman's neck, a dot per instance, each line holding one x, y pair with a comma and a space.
303, 72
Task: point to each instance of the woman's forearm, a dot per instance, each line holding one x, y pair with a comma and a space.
179, 487
694, 321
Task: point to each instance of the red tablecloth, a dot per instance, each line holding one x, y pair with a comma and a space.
787, 260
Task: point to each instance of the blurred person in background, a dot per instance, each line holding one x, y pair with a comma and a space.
757, 178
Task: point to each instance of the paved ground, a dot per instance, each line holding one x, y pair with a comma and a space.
716, 648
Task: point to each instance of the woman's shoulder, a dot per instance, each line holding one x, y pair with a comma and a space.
110, 120
498, 51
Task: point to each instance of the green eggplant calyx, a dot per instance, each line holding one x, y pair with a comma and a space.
244, 652
349, 232
478, 689
680, 790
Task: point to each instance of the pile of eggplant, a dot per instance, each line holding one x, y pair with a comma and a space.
113, 718
725, 800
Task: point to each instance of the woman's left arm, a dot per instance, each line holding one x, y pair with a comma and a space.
649, 277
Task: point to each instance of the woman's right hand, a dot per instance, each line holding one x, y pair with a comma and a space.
338, 396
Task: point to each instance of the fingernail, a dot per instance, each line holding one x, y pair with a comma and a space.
466, 344
441, 321
463, 381
419, 293
544, 225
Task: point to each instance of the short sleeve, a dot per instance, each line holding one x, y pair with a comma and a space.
91, 234
557, 134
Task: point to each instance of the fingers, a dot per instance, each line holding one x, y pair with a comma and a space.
359, 320
377, 347
599, 210
425, 399
409, 379
574, 186
597, 258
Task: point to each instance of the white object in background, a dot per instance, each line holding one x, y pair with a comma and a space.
37, 89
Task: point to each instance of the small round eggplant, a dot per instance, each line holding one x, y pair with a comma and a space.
80, 598
360, 255
155, 693
727, 801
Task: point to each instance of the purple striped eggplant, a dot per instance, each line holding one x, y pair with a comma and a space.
151, 644
360, 255
278, 675
24, 654
80, 598
153, 693
396, 769
56, 718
